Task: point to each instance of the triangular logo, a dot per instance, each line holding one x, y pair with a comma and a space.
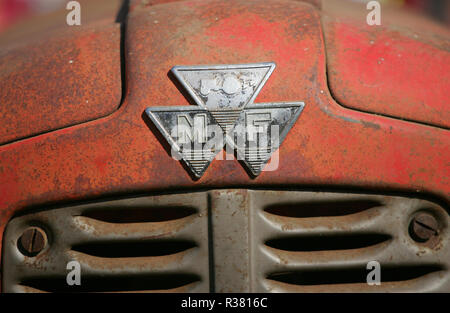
186, 130
224, 90
225, 111
260, 130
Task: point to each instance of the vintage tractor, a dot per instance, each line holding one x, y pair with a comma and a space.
225, 146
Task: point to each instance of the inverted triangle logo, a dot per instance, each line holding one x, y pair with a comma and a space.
224, 90
225, 114
186, 130
260, 130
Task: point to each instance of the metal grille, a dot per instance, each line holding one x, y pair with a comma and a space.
232, 241
139, 244
322, 242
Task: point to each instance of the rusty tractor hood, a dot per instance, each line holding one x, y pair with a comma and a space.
59, 80
53, 76
400, 68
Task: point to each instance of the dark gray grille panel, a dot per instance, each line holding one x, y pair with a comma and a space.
120, 252
252, 241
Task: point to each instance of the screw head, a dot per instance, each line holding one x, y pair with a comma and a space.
32, 241
424, 227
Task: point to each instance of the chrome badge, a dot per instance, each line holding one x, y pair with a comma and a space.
225, 115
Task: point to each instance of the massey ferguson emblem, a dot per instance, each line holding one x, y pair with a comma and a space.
225, 115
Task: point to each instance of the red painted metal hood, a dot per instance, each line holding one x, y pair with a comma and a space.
399, 69
58, 78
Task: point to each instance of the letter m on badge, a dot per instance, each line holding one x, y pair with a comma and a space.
188, 130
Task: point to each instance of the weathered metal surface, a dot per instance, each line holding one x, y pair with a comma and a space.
59, 80
44, 24
230, 222
241, 241
389, 69
332, 146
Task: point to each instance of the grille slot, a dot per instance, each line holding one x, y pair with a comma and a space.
130, 283
355, 275
319, 243
322, 208
140, 214
135, 249
160, 246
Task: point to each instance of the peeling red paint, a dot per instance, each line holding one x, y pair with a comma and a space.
59, 81
383, 71
9, 186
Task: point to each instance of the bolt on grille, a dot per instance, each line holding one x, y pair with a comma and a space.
232, 241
